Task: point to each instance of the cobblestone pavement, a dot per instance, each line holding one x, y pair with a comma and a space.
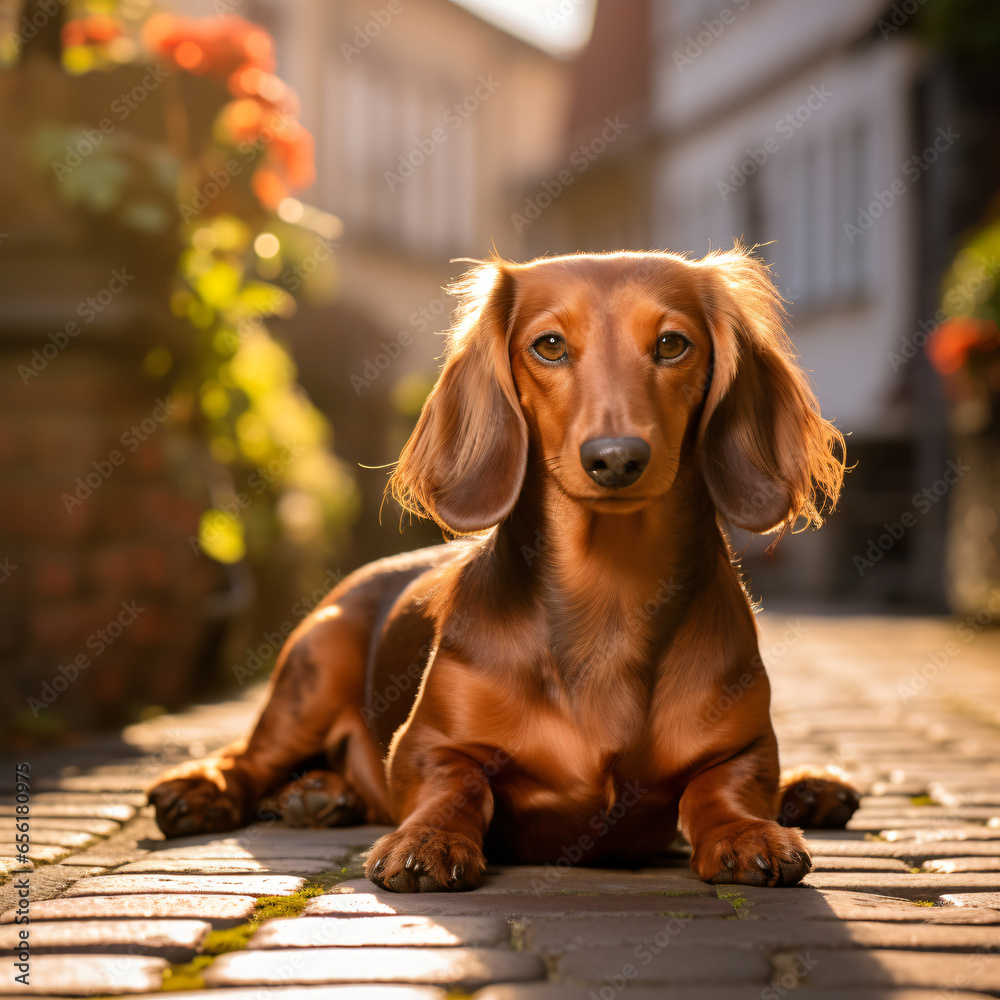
904, 904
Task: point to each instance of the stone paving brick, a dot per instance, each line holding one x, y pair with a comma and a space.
880, 739
650, 881
924, 833
553, 991
86, 860
220, 911
986, 899
458, 967
557, 936
44, 882
848, 864
968, 813
894, 822
352, 992
915, 850
82, 799
174, 940
810, 904
403, 932
580, 880
884, 802
664, 965
84, 824
946, 771
908, 787
824, 835
939, 970
948, 866
97, 809
842, 847
922, 886
120, 847
277, 838
925, 850
985, 783
435, 904
47, 836
955, 794
154, 864
126, 780
877, 822
234, 885
250, 850
45, 853
668, 866
10, 865
83, 975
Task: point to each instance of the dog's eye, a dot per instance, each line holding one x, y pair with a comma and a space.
550, 347
670, 346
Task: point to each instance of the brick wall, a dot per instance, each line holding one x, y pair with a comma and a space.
99, 498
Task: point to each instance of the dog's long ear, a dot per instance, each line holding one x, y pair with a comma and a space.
464, 463
768, 457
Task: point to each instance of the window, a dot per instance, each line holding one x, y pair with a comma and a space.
396, 180
798, 203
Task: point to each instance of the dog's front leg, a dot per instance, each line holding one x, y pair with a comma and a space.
727, 813
443, 798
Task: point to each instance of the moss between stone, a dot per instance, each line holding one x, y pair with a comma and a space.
922, 800
732, 895
648, 892
189, 975
924, 902
518, 931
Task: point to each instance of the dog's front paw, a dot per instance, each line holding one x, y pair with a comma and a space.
201, 797
424, 859
755, 852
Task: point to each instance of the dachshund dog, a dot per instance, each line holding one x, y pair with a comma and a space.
577, 671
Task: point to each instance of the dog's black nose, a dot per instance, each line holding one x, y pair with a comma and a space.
614, 462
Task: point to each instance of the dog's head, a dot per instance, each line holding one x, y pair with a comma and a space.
610, 370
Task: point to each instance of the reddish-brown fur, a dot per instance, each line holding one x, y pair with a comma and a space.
581, 673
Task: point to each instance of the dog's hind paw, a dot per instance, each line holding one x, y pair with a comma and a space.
816, 798
201, 797
319, 799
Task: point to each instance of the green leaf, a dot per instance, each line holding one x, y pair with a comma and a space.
145, 216
97, 183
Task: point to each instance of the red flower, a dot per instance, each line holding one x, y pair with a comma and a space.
243, 55
293, 150
218, 45
97, 29
953, 340
243, 120
269, 187
249, 81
